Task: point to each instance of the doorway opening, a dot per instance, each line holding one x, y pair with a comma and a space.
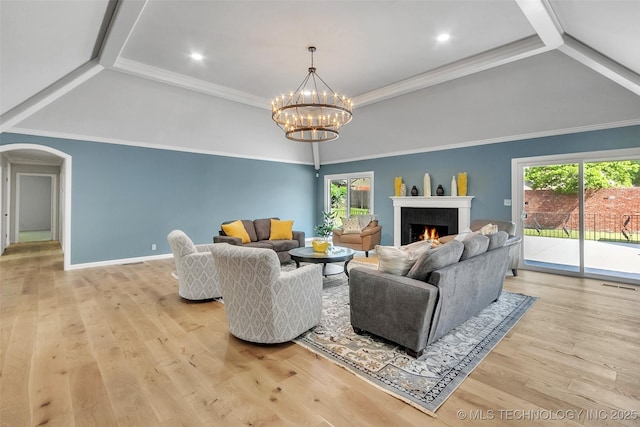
46, 173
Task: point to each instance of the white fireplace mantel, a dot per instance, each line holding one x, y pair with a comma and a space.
462, 203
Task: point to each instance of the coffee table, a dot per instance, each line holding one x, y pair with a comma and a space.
334, 254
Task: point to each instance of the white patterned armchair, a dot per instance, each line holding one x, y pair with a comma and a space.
264, 304
194, 265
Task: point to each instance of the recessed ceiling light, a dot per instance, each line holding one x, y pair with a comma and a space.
443, 37
197, 56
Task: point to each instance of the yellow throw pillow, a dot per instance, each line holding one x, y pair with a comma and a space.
236, 229
281, 230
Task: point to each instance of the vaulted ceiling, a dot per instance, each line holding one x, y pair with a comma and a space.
121, 71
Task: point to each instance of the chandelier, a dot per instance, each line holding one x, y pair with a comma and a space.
311, 114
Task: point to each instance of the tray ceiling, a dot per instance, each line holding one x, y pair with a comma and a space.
254, 50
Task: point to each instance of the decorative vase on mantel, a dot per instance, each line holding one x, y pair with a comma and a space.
440, 190
397, 185
414, 191
454, 186
427, 185
462, 184
403, 190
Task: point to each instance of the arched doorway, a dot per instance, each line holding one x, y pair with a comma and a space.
11, 153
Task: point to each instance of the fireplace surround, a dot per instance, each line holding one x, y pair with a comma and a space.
454, 212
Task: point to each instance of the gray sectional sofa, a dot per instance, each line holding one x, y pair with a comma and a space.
444, 288
259, 231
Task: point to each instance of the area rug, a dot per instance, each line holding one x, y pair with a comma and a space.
424, 383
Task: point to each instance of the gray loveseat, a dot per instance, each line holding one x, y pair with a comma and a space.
438, 294
259, 231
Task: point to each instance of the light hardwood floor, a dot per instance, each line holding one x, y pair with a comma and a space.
117, 346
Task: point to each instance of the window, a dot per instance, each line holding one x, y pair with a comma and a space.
349, 194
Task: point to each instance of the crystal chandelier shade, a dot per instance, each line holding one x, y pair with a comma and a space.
312, 114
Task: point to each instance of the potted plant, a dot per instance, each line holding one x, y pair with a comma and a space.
328, 224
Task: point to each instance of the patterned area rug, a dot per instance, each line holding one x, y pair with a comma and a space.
424, 383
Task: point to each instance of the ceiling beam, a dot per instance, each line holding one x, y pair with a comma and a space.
511, 52
543, 20
315, 151
180, 80
601, 64
49, 94
124, 21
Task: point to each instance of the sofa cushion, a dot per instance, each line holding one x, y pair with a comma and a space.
435, 259
281, 230
263, 228
351, 225
284, 245
497, 239
251, 230
236, 229
474, 245
264, 244
396, 260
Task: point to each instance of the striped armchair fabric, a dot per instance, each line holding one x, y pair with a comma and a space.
264, 304
194, 265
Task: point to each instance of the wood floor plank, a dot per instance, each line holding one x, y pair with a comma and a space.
116, 346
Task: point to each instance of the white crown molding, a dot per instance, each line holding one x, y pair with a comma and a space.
49, 94
601, 64
115, 141
511, 52
180, 80
520, 137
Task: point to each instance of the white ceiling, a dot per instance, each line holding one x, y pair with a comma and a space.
63, 73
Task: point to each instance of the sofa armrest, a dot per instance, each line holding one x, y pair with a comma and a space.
338, 232
397, 308
299, 236
204, 248
228, 239
371, 230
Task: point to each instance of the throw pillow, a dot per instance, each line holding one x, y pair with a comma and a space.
365, 219
488, 229
281, 230
474, 245
419, 245
397, 261
351, 226
236, 229
497, 239
435, 259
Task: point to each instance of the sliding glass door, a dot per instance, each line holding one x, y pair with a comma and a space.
551, 217
580, 215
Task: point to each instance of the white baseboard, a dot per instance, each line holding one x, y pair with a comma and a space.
119, 261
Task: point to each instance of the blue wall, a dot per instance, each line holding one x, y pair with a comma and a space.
126, 198
488, 168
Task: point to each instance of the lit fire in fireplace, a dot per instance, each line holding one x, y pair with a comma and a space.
430, 233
